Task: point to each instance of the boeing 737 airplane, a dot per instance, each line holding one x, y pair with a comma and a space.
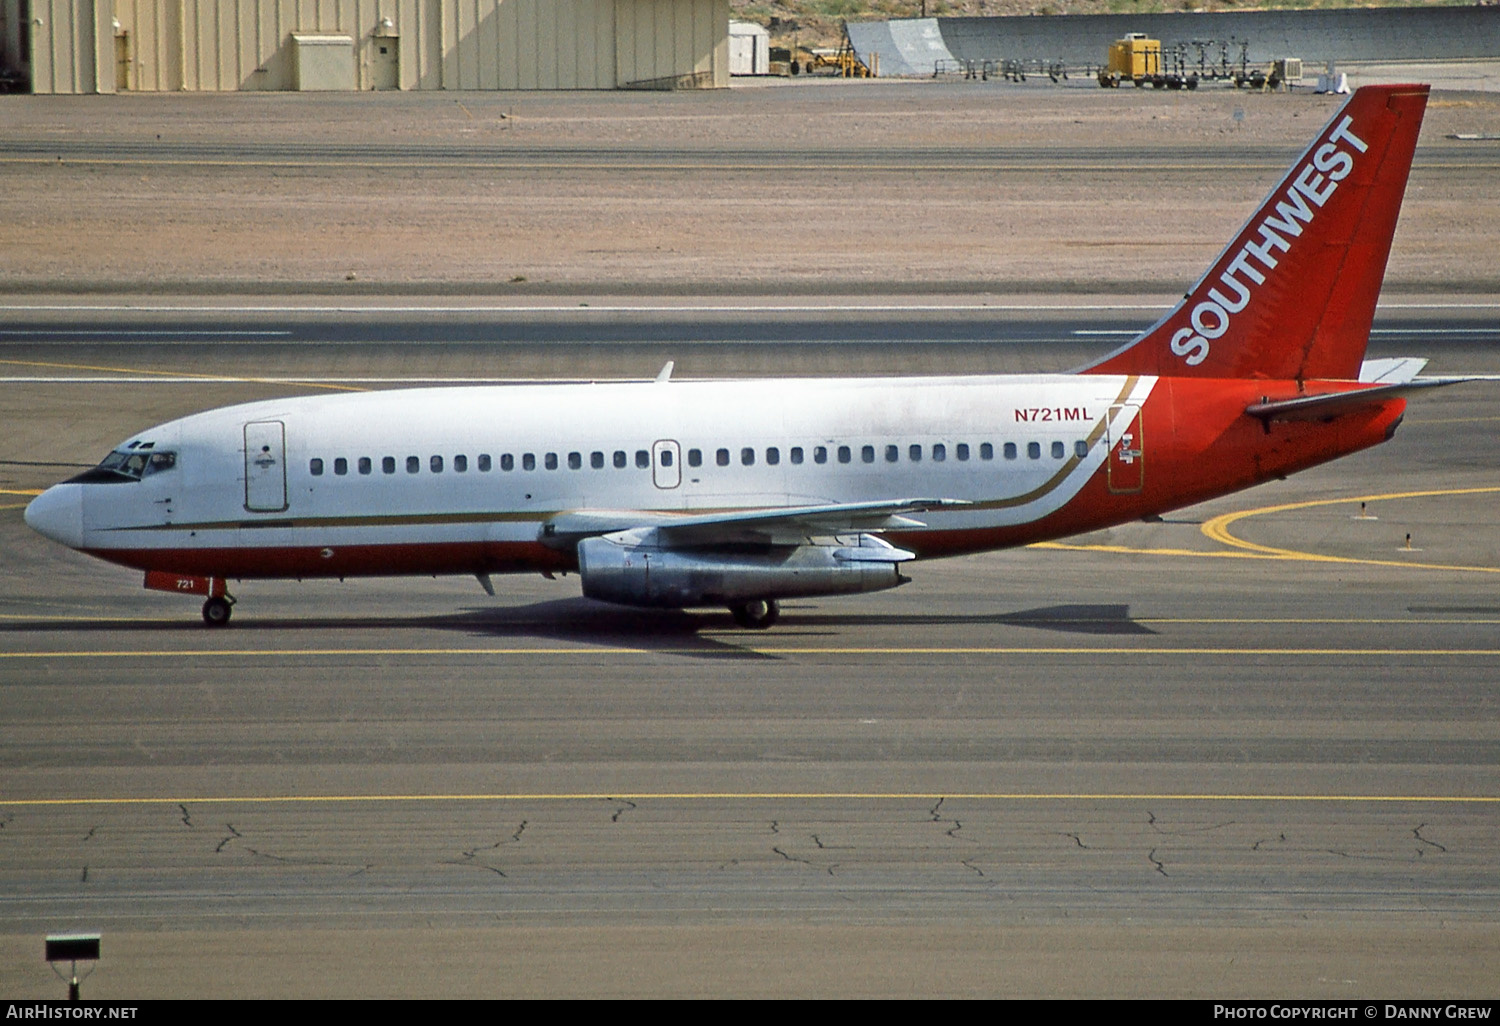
743, 493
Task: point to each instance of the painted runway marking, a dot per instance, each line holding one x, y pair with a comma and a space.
582, 307
753, 796
1373, 331
153, 375
1218, 530
654, 308
72, 332
767, 650
1015, 621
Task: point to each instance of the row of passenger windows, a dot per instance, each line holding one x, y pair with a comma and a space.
748, 456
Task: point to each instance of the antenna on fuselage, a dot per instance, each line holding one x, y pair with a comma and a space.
665, 374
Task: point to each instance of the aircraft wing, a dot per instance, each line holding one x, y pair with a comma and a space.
1326, 405
775, 525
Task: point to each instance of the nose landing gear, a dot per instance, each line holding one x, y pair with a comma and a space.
217, 609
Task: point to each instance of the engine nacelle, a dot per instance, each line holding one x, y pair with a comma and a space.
634, 569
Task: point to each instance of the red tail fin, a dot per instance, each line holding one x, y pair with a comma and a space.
1293, 295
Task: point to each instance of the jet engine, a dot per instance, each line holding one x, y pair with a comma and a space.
635, 568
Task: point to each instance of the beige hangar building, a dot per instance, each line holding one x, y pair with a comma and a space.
109, 46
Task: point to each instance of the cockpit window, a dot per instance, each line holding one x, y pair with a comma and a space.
130, 464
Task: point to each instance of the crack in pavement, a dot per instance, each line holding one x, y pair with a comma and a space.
1368, 858
187, 820
233, 833
1154, 824
1077, 840
1160, 868
1281, 839
830, 847
952, 831
471, 856
1417, 833
625, 806
969, 865
94, 830
789, 858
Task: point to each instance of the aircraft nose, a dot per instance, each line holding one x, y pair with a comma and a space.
58, 514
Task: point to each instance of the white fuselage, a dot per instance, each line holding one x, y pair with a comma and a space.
460, 466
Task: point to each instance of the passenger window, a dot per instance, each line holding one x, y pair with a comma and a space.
722, 457
484, 463
844, 454
820, 454
795, 454
1081, 448
987, 451
413, 464
507, 461
315, 467
961, 450
914, 453
939, 452
528, 461
1059, 450
364, 464
747, 456
596, 460
642, 459
620, 459
437, 464
460, 464
665, 456
773, 456
1010, 450
341, 466
550, 461
867, 453
892, 453
388, 465
1033, 450
575, 461
695, 457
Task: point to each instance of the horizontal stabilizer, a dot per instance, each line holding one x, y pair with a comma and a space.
1394, 370
1327, 405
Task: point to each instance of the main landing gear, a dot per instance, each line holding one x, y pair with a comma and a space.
217, 609
757, 614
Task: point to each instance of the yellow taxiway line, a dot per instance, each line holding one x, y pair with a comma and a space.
765, 650
207, 378
751, 796
1217, 529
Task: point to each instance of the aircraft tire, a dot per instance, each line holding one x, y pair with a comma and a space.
756, 615
216, 612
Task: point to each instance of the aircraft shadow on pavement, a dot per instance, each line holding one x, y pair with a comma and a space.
582, 621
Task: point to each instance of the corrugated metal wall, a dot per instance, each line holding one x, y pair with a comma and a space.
224, 45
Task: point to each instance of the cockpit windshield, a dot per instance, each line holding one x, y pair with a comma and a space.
129, 464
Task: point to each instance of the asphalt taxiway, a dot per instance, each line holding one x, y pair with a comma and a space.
1249, 750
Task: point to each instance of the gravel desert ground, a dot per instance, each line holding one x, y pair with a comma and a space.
767, 187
